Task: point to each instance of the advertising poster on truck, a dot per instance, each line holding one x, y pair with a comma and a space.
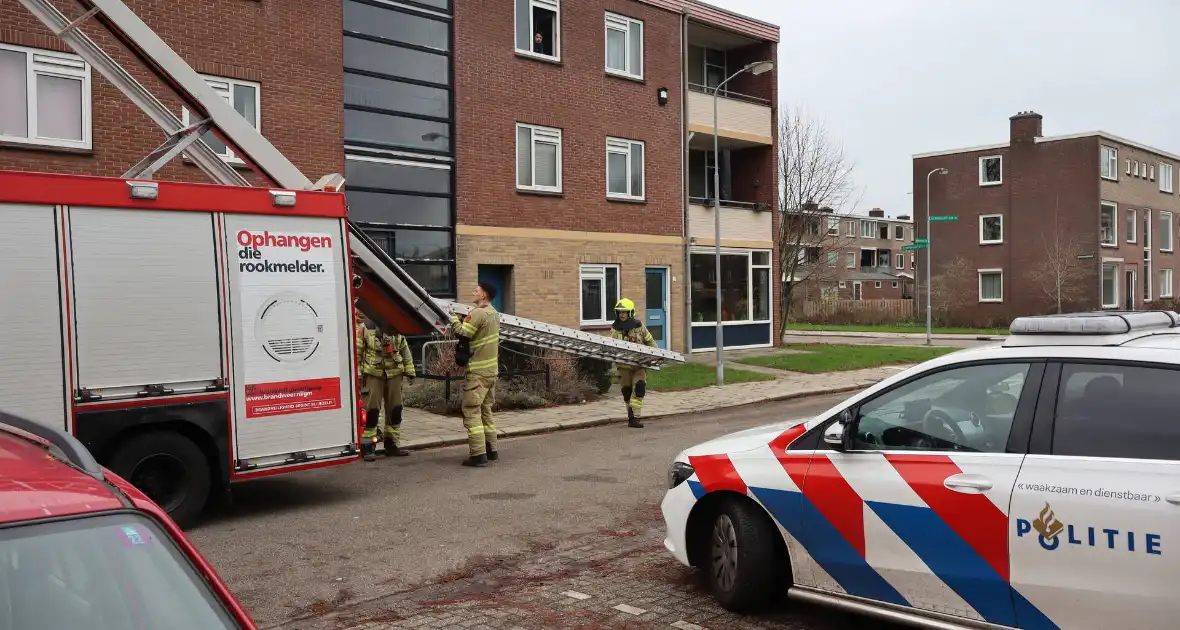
286, 287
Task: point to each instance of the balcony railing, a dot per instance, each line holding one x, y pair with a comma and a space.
728, 93
727, 203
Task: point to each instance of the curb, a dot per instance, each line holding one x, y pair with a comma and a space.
889, 335
552, 427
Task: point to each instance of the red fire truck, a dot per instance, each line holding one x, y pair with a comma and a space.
189, 335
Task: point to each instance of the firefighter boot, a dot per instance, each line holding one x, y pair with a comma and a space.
369, 436
476, 461
392, 449
493, 455
632, 421
635, 405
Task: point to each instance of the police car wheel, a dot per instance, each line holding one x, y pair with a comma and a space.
742, 561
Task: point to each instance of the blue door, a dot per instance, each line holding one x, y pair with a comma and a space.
497, 276
655, 317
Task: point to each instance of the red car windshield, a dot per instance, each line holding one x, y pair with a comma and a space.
110, 572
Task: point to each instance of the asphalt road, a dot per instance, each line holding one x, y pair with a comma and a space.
329, 538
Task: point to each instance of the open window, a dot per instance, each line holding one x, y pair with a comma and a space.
538, 28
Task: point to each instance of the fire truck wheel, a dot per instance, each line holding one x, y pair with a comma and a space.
170, 469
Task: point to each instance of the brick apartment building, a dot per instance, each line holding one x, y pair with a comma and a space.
856, 257
582, 174
1105, 205
548, 147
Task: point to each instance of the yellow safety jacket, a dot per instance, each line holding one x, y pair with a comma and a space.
380, 353
482, 328
634, 331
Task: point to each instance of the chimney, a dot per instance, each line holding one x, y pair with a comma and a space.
903, 217
1024, 127
877, 213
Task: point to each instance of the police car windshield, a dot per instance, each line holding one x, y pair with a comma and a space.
112, 572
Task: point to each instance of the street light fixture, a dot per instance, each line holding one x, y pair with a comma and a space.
929, 277
756, 68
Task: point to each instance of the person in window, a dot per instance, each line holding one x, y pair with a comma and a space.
539, 45
631, 378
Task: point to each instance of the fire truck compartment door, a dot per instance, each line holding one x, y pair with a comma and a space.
293, 380
146, 300
32, 354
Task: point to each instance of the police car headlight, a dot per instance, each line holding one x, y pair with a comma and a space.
678, 474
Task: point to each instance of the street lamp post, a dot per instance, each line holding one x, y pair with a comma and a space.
929, 241
756, 68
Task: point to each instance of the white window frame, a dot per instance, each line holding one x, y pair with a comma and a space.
552, 5
1102, 283
877, 284
1135, 168
1165, 180
598, 272
1130, 218
1166, 244
548, 135
1151, 172
624, 24
1165, 283
623, 146
843, 284
751, 266
1114, 223
983, 241
870, 227
850, 229
851, 258
833, 226
894, 284
899, 261
913, 261
982, 170
833, 259
1109, 166
899, 232
981, 273
224, 87
49, 63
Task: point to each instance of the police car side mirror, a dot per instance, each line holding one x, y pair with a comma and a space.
838, 434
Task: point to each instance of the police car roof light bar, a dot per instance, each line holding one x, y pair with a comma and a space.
1101, 328
575, 342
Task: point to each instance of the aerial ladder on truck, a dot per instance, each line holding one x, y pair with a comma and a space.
381, 288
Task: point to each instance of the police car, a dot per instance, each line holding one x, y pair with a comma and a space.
1032, 484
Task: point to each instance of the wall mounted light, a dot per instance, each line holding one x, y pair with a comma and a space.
144, 190
662, 96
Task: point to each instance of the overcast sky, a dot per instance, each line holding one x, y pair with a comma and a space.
891, 78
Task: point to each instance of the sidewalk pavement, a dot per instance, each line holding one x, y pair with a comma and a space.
422, 429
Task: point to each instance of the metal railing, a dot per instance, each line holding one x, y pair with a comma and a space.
726, 203
727, 93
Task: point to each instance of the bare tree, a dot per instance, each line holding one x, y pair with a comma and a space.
954, 289
1059, 275
816, 191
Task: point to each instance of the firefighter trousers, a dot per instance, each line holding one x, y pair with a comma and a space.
378, 390
633, 382
478, 395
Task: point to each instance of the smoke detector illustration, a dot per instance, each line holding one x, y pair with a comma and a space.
288, 328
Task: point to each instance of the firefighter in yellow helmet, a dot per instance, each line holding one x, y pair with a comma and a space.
385, 361
632, 379
479, 352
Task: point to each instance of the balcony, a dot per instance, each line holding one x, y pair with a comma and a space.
740, 221
742, 121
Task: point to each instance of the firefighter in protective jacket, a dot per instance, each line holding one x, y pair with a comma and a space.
385, 361
479, 352
632, 379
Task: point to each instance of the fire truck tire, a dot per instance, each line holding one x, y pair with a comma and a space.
170, 469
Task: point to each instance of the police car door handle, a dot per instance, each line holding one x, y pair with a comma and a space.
968, 483
1173, 498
